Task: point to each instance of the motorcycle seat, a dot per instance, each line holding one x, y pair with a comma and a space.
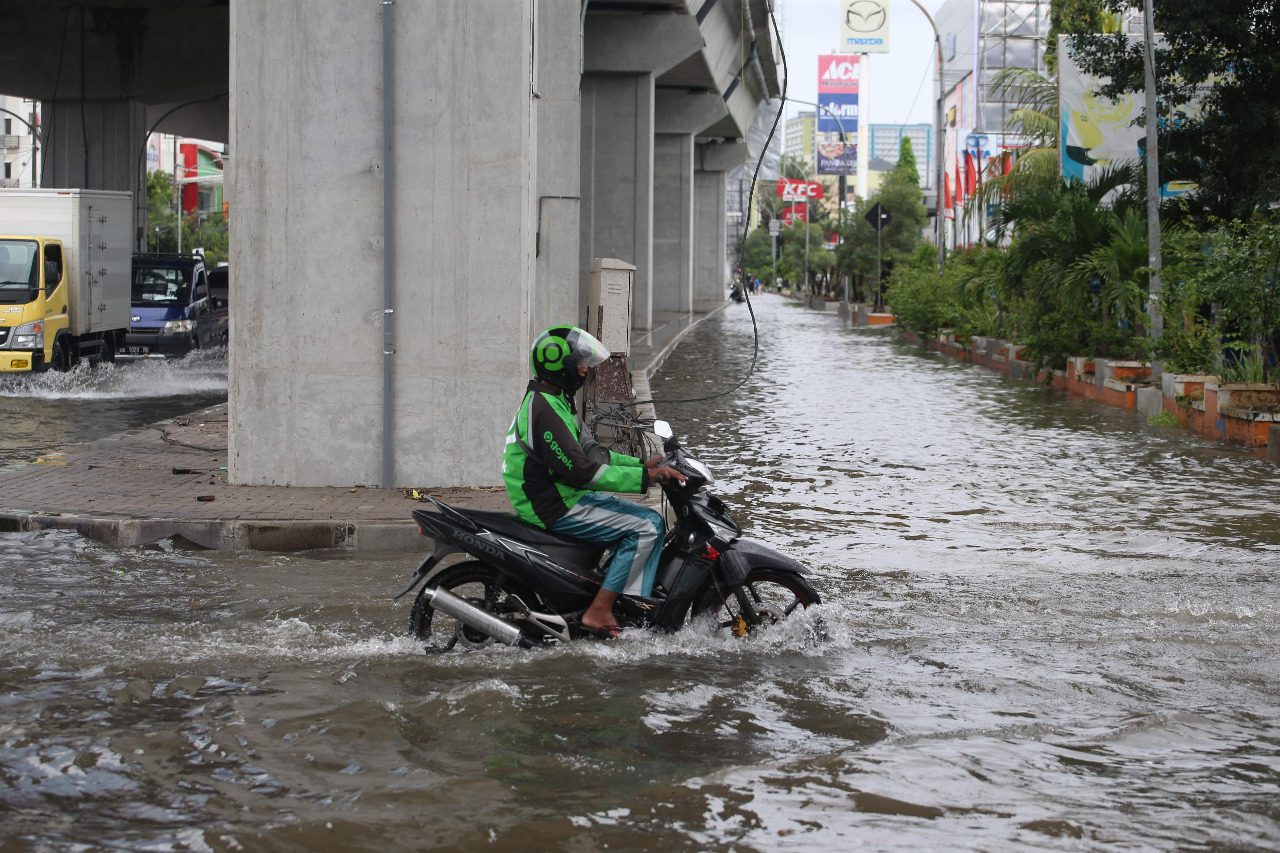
569, 552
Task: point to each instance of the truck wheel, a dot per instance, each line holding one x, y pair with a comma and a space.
62, 359
107, 354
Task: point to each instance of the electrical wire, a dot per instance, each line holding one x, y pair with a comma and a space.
742, 245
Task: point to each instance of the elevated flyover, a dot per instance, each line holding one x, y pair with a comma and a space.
416, 189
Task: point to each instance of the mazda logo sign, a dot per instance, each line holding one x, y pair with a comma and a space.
865, 16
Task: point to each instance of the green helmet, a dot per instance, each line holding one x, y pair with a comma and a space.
559, 351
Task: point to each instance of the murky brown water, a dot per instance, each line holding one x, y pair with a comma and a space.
1051, 626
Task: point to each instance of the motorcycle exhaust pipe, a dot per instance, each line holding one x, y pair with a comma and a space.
472, 616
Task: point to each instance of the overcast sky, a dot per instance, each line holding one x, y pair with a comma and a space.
899, 84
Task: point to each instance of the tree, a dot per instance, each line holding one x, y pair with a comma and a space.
161, 227
1231, 70
1067, 17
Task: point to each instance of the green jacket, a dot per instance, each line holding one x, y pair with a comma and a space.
548, 465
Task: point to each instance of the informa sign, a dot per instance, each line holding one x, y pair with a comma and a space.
839, 77
864, 26
837, 158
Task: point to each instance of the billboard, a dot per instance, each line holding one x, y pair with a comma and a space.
837, 158
839, 77
1097, 132
864, 26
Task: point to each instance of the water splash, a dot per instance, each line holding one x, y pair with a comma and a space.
200, 372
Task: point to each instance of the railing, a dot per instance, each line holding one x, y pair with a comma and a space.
10, 141
8, 183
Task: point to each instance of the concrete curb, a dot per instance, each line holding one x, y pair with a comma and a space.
226, 534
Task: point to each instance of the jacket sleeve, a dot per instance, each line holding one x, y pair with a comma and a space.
591, 467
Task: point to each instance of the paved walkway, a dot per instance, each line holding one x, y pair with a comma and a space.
168, 480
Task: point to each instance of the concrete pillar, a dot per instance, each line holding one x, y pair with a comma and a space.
711, 263
673, 189
617, 181
558, 296
309, 248
710, 258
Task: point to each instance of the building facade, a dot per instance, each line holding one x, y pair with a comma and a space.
885, 141
980, 39
799, 141
19, 142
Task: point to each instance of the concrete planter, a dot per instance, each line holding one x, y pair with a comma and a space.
1186, 386
1118, 381
1259, 397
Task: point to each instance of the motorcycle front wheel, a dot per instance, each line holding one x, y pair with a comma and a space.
476, 583
774, 596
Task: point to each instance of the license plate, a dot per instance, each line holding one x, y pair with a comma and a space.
135, 350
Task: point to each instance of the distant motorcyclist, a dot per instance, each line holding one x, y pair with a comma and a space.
554, 474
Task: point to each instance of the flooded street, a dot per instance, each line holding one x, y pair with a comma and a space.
51, 411
1049, 625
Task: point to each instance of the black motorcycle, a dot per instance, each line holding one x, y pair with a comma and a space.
527, 587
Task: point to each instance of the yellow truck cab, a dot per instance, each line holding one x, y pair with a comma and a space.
64, 277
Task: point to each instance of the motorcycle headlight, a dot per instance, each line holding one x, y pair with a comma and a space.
29, 336
698, 468
175, 327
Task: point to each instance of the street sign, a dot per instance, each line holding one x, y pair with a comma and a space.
775, 227
878, 216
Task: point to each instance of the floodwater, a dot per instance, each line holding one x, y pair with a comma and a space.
52, 411
1048, 625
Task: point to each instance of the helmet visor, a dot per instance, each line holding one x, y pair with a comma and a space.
586, 349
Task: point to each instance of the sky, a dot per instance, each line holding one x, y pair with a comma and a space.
899, 84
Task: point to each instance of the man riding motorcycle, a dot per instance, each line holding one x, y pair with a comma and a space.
554, 474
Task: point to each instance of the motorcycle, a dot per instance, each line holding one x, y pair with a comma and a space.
525, 586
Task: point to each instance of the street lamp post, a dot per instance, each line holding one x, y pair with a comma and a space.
941, 144
1156, 321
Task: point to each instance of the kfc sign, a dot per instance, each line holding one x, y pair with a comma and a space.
839, 73
790, 190
794, 214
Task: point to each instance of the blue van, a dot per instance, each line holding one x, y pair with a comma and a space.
170, 302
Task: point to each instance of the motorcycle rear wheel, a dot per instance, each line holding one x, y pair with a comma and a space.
774, 595
477, 583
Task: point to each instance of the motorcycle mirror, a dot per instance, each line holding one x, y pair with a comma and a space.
662, 429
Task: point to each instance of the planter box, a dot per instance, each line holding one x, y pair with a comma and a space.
1188, 386
1126, 371
1259, 397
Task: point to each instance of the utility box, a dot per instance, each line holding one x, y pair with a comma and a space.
609, 304
609, 392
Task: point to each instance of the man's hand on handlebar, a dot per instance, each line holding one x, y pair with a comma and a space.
660, 473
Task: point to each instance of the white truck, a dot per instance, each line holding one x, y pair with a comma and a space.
64, 276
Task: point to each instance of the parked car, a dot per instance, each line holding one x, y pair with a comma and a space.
170, 306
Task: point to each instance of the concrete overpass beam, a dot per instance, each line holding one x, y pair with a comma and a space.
630, 44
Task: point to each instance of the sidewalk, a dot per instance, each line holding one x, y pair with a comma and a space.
168, 480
